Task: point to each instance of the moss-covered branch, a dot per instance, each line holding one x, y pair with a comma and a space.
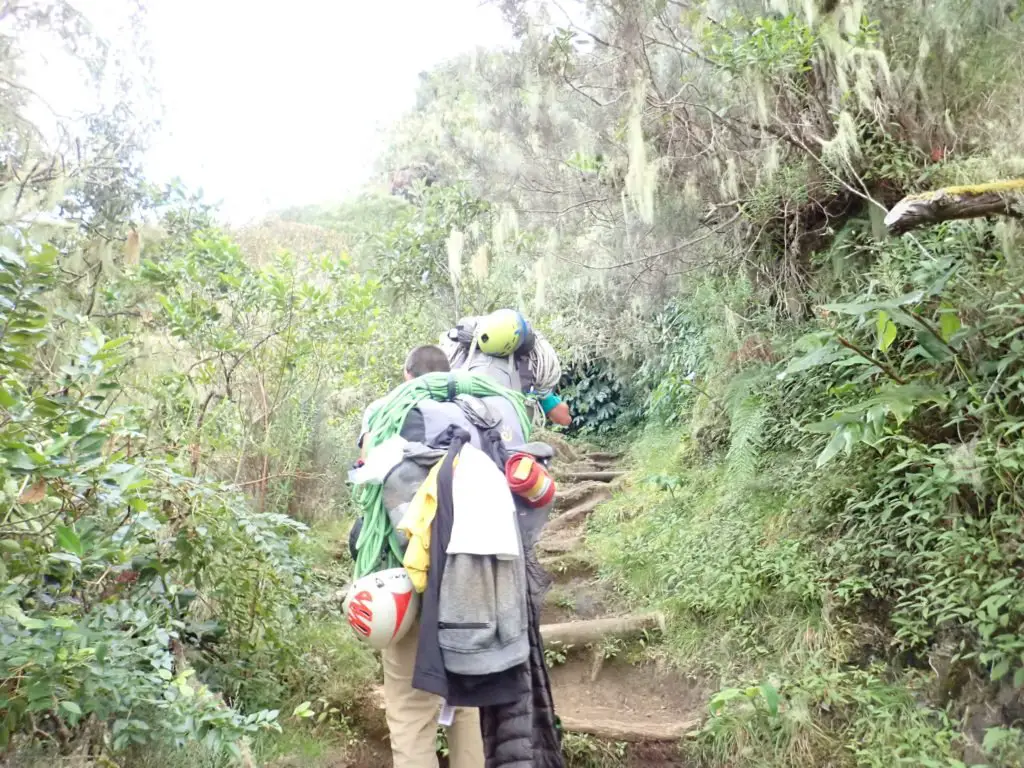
1005, 198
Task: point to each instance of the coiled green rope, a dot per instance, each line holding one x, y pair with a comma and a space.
378, 546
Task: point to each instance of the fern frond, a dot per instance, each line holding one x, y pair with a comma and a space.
747, 420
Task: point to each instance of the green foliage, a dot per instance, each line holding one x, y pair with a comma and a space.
678, 349
875, 723
597, 398
106, 543
747, 416
770, 46
813, 528
582, 751
868, 481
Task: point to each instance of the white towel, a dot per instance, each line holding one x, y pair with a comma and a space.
484, 512
379, 462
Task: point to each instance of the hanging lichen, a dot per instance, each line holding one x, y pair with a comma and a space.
761, 99
691, 192
844, 146
480, 262
641, 175
540, 278
504, 229
771, 163
455, 242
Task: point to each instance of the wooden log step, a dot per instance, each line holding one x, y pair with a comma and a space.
595, 630
578, 513
603, 456
601, 475
633, 732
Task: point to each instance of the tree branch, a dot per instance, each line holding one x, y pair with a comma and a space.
1005, 198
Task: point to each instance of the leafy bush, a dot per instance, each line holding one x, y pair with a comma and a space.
129, 568
108, 543
597, 398
862, 504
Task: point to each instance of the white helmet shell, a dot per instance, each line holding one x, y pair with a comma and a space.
381, 607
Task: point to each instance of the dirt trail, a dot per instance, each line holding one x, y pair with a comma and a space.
604, 686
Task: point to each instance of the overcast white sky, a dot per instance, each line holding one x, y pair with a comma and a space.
273, 103
270, 104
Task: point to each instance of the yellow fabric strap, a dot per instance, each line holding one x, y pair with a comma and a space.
416, 524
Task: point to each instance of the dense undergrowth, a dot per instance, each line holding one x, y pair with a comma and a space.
843, 525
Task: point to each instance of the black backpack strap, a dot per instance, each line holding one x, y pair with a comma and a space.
526, 377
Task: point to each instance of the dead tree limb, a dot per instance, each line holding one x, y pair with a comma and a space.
603, 476
595, 630
633, 732
1004, 198
578, 513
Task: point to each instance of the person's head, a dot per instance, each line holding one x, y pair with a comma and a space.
425, 359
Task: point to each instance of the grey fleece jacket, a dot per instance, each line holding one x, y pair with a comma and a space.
482, 620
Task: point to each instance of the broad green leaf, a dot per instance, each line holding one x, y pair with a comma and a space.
29, 623
862, 308
949, 324
17, 459
72, 707
886, 329
771, 697
999, 670
932, 347
836, 444
67, 557
12, 257
821, 356
68, 539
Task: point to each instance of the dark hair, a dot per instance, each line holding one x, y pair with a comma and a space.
426, 359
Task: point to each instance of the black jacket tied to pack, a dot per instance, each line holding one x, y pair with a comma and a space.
517, 717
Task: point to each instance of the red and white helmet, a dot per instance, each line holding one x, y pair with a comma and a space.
381, 607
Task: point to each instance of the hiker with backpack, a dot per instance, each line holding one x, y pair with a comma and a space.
421, 360
504, 346
412, 715
443, 453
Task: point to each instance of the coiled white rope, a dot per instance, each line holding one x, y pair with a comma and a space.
547, 371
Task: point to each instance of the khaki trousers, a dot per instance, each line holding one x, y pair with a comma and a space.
412, 716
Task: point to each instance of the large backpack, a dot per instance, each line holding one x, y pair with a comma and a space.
496, 410
425, 428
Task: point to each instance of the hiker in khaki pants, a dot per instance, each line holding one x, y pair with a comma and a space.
412, 716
